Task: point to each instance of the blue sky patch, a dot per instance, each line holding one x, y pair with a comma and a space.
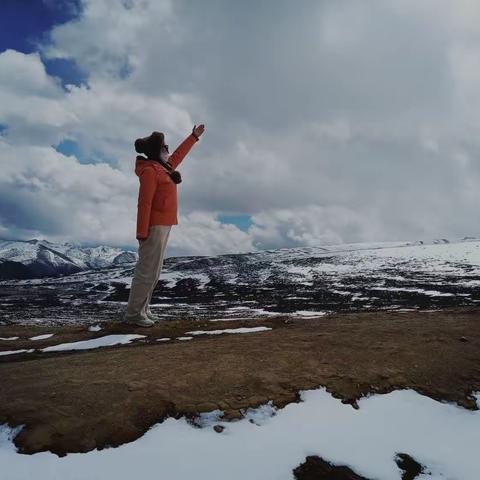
243, 222
70, 147
24, 23
67, 70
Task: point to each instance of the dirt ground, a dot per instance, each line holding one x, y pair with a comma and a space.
76, 401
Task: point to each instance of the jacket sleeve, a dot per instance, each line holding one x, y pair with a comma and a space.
148, 185
179, 154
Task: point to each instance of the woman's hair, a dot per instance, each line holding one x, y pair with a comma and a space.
150, 145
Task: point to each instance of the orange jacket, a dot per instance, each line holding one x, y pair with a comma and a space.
157, 195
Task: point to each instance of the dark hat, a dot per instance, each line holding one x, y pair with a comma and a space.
150, 145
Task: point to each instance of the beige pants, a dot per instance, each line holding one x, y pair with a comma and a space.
147, 270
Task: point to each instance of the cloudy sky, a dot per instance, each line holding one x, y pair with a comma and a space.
326, 121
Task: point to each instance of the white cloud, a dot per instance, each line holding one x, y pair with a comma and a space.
46, 193
108, 35
200, 233
24, 74
329, 122
312, 225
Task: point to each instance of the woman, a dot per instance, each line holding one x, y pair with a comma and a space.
157, 212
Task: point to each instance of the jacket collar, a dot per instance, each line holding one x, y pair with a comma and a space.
141, 163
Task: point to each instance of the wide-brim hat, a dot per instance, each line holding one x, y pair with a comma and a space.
151, 143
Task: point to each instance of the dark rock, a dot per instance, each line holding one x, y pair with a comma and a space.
411, 468
315, 468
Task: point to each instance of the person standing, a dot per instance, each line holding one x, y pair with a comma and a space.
157, 210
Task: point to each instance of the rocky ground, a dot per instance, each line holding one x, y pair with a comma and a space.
79, 400
295, 282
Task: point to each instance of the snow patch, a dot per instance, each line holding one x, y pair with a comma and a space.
208, 419
477, 397
260, 415
442, 436
105, 341
229, 330
42, 337
308, 313
13, 352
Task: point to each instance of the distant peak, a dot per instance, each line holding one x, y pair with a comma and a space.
35, 241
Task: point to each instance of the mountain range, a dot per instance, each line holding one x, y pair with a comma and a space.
77, 284
41, 258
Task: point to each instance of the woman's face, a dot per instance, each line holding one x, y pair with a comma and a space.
164, 155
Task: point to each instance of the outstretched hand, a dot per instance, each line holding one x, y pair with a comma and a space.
198, 130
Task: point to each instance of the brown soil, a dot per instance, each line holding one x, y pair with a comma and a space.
81, 400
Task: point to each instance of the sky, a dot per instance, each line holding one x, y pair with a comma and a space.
325, 122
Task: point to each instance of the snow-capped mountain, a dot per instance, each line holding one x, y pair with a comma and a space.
40, 258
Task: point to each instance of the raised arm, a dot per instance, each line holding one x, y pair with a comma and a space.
179, 154
148, 185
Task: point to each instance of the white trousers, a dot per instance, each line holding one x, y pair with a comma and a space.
147, 270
